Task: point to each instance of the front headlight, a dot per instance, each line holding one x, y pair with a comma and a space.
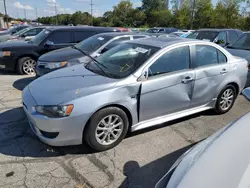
56, 65
55, 111
5, 53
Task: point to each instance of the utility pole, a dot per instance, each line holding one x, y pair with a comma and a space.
36, 13
24, 9
56, 13
5, 12
91, 11
192, 15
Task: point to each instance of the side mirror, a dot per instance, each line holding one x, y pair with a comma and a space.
48, 43
246, 93
144, 76
220, 42
104, 50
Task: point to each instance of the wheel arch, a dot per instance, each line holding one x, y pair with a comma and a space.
237, 87
125, 109
33, 56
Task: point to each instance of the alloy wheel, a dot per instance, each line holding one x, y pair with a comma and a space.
29, 67
109, 129
227, 99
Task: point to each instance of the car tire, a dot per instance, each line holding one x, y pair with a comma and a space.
102, 131
226, 99
26, 66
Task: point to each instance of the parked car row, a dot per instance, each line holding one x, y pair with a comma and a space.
132, 86
22, 56
96, 84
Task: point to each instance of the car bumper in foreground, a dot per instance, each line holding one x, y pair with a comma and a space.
53, 131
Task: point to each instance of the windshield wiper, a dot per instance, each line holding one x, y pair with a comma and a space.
98, 64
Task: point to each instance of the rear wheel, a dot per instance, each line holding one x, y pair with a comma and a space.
26, 65
106, 128
226, 99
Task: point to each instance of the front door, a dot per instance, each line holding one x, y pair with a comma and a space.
168, 88
211, 68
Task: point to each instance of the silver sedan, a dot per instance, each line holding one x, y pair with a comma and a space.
133, 86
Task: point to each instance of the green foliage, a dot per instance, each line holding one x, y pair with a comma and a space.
154, 13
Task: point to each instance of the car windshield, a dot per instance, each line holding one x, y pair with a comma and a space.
21, 31
204, 35
243, 42
93, 43
122, 60
40, 37
152, 31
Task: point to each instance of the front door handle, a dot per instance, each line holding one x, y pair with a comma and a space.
223, 71
187, 79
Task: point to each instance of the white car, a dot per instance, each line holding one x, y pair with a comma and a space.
220, 161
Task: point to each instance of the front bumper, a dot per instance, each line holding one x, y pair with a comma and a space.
53, 131
7, 63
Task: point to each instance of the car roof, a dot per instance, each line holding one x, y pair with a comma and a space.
116, 34
80, 28
160, 42
218, 30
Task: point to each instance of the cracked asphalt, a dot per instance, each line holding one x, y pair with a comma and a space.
138, 162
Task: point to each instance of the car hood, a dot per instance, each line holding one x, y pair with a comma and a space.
13, 44
4, 33
241, 53
63, 54
222, 160
68, 84
4, 38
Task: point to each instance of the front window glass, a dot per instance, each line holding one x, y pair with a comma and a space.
173, 60
93, 43
122, 60
243, 42
40, 37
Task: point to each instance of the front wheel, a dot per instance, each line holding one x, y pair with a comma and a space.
106, 128
226, 99
26, 65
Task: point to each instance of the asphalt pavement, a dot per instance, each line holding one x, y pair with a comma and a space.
138, 162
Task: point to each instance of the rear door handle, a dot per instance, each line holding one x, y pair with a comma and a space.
223, 71
187, 79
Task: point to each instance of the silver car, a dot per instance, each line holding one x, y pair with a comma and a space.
134, 85
220, 161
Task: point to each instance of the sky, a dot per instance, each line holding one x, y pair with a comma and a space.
17, 8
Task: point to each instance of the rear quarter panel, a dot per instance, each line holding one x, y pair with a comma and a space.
238, 73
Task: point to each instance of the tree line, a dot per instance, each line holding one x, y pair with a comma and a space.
184, 14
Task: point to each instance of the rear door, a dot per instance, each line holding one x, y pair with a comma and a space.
211, 68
